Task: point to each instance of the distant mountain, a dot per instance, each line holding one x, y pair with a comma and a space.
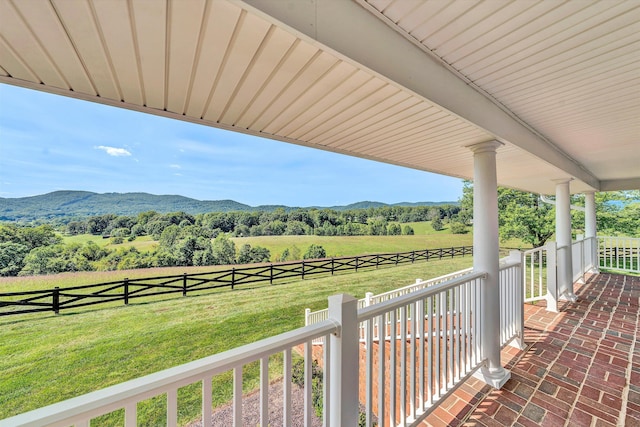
62, 205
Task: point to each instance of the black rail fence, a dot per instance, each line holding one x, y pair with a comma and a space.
57, 299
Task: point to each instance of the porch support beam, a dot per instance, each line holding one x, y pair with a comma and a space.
590, 228
486, 258
563, 239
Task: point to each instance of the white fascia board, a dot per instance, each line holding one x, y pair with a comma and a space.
620, 184
350, 30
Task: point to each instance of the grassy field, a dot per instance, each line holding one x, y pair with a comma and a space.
142, 243
48, 358
357, 245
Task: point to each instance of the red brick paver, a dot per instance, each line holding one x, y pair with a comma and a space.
581, 366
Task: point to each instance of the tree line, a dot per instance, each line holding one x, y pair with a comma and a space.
193, 240
384, 220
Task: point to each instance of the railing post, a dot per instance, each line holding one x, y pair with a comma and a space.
126, 291
343, 361
552, 277
56, 300
517, 256
307, 313
367, 298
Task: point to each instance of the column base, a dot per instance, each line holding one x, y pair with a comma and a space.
496, 378
569, 296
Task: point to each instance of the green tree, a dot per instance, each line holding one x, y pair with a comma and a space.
524, 216
378, 227
466, 203
224, 250
249, 255
169, 237
12, 258
408, 230
315, 252
436, 224
43, 260
394, 229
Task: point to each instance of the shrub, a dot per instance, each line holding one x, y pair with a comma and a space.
458, 228
314, 252
436, 224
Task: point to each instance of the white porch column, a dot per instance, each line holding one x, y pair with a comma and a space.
563, 239
486, 258
590, 229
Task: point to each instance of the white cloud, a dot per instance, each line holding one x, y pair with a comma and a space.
175, 166
113, 151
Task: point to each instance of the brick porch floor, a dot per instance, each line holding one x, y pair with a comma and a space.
581, 366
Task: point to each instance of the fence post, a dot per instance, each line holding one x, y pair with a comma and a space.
377, 261
552, 277
184, 284
357, 264
271, 274
126, 291
343, 361
413, 256
56, 300
233, 278
332, 267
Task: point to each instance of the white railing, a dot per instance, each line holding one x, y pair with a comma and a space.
512, 300
539, 273
81, 410
544, 269
425, 360
415, 366
619, 253
583, 257
312, 317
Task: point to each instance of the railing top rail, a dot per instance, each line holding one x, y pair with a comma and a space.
150, 385
534, 250
386, 306
508, 264
423, 282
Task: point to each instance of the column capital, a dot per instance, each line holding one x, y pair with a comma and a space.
484, 147
562, 180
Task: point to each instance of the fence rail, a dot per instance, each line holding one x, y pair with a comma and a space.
57, 299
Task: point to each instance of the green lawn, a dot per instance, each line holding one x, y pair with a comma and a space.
48, 358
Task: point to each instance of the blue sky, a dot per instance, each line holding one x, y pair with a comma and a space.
50, 143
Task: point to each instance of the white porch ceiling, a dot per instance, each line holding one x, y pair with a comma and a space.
399, 81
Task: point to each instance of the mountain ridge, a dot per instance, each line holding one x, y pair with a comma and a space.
68, 204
